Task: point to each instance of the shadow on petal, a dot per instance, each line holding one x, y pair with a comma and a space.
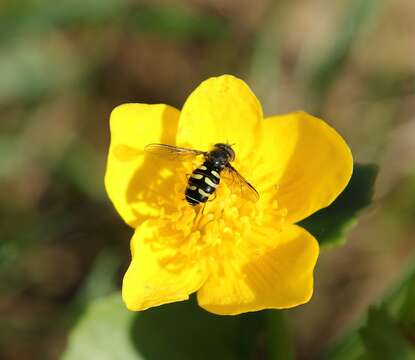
155, 182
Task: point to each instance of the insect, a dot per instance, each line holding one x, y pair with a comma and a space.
205, 179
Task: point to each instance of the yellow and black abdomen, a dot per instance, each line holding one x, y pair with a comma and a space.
202, 183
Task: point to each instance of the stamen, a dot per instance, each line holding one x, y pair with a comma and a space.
219, 229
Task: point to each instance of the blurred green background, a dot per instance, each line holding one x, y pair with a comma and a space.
65, 64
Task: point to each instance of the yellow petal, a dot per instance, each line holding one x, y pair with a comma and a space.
130, 173
221, 110
159, 273
280, 277
305, 164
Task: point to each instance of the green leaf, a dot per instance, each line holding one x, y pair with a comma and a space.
177, 331
407, 309
103, 332
330, 225
349, 348
387, 333
400, 302
183, 330
383, 339
280, 345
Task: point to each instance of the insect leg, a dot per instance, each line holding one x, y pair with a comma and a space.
198, 216
212, 198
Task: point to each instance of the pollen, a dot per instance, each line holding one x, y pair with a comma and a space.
215, 228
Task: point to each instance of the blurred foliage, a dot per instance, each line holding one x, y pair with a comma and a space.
176, 23
157, 333
26, 58
76, 167
330, 225
198, 335
383, 339
328, 67
37, 17
103, 332
279, 343
387, 332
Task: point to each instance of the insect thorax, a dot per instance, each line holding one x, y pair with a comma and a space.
219, 157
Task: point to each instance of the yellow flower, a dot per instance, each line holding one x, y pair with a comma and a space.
239, 256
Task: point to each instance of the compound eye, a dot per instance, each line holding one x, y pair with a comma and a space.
231, 154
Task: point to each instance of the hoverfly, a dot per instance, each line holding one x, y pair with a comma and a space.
204, 180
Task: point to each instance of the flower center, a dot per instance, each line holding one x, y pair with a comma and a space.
215, 230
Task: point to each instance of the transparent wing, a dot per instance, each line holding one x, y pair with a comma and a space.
171, 152
239, 185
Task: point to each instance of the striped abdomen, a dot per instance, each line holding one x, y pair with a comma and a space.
202, 183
